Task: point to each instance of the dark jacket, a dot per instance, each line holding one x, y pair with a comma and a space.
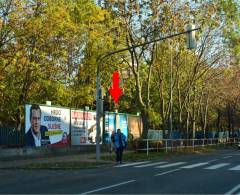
29, 139
120, 141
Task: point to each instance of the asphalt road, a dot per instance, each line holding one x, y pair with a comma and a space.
215, 173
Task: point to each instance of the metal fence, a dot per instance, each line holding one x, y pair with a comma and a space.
170, 144
10, 137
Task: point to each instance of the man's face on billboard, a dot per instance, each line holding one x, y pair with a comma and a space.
36, 121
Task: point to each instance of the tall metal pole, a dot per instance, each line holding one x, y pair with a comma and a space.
98, 114
171, 95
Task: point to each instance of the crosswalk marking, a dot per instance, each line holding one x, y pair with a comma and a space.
131, 164
170, 165
151, 164
236, 168
164, 173
163, 164
194, 165
217, 166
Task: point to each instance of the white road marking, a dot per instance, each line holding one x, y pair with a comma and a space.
151, 164
217, 166
170, 165
164, 173
232, 191
194, 165
131, 164
212, 160
236, 168
234, 154
107, 187
227, 157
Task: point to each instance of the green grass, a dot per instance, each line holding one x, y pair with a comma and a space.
65, 165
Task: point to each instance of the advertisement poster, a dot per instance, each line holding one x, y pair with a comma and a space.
110, 126
135, 126
46, 125
83, 127
113, 121
123, 124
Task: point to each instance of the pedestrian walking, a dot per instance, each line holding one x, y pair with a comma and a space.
120, 143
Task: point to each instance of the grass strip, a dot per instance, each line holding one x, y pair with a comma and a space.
65, 165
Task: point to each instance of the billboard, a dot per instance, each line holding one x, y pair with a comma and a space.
135, 126
83, 127
113, 121
46, 125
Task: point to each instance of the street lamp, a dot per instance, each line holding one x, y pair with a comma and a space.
188, 31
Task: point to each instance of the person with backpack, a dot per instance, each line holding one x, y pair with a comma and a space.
120, 143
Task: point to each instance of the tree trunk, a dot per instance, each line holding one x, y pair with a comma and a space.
144, 116
205, 115
194, 114
187, 124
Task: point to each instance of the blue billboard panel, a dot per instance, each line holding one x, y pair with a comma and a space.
113, 121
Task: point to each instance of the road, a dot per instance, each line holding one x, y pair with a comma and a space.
215, 173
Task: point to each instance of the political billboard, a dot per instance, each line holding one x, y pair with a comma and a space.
46, 125
83, 127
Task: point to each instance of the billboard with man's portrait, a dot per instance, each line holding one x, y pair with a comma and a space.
46, 125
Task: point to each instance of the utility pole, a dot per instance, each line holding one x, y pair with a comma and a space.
171, 96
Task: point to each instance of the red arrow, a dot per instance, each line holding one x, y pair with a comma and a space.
115, 91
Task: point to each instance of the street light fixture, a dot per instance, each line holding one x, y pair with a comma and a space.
189, 31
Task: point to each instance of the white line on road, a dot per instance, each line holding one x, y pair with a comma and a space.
164, 173
232, 191
233, 154
151, 164
170, 165
236, 168
131, 164
107, 187
194, 165
227, 157
217, 166
212, 160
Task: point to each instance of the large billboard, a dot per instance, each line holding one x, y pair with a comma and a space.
83, 127
46, 125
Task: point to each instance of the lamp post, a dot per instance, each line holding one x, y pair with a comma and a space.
98, 88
